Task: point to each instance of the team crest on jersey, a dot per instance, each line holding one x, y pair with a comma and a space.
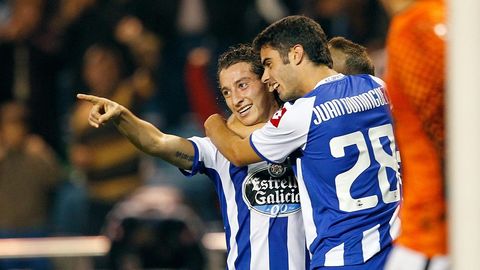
277, 116
276, 170
272, 190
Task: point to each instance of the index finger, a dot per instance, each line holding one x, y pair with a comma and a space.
91, 98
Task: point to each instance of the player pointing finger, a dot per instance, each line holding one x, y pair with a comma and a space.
103, 109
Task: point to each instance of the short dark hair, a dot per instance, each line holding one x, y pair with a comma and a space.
289, 31
238, 54
357, 60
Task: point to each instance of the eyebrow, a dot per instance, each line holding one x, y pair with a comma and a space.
236, 82
265, 60
242, 79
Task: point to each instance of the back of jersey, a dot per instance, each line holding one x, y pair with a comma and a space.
350, 170
347, 167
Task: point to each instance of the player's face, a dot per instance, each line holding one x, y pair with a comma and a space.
279, 76
246, 96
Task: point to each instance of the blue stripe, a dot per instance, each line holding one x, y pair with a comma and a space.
197, 166
353, 252
307, 258
243, 236
277, 243
213, 174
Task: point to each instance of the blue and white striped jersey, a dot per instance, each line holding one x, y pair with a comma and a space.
260, 206
347, 166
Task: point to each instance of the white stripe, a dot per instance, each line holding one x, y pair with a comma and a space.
404, 258
370, 242
307, 211
334, 257
378, 80
232, 213
395, 224
440, 263
259, 226
296, 242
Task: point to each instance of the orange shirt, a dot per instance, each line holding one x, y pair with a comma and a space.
415, 79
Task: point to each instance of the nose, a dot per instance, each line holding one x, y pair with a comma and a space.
237, 97
265, 76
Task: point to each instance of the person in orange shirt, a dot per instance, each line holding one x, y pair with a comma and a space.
416, 82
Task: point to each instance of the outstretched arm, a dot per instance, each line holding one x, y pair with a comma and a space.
176, 150
234, 148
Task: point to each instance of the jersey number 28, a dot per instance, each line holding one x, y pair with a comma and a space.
344, 181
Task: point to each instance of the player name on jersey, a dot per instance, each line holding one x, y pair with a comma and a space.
337, 107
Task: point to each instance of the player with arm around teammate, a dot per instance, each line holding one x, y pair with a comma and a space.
338, 130
259, 202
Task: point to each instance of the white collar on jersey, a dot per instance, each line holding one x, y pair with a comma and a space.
330, 79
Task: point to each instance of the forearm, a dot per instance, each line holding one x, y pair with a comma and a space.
147, 138
234, 148
241, 130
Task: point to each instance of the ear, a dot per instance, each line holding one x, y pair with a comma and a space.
297, 54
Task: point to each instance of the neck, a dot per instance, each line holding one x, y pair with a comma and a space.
273, 108
311, 76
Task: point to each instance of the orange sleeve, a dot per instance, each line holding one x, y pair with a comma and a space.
415, 79
417, 60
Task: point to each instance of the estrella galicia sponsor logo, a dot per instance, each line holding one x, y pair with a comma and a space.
272, 190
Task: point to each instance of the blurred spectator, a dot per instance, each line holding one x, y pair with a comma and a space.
362, 21
333, 16
145, 48
29, 173
72, 27
200, 90
110, 163
21, 19
27, 71
153, 228
144, 45
415, 77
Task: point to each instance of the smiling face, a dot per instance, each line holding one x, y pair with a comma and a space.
246, 96
278, 75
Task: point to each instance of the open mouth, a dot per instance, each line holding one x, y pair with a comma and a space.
244, 110
274, 86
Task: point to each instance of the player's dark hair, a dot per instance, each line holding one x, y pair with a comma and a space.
238, 54
292, 30
357, 60
243, 53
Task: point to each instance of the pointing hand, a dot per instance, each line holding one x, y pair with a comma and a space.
103, 110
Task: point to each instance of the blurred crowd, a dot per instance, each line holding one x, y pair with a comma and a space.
158, 58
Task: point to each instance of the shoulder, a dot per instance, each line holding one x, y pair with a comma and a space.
292, 112
365, 81
207, 152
